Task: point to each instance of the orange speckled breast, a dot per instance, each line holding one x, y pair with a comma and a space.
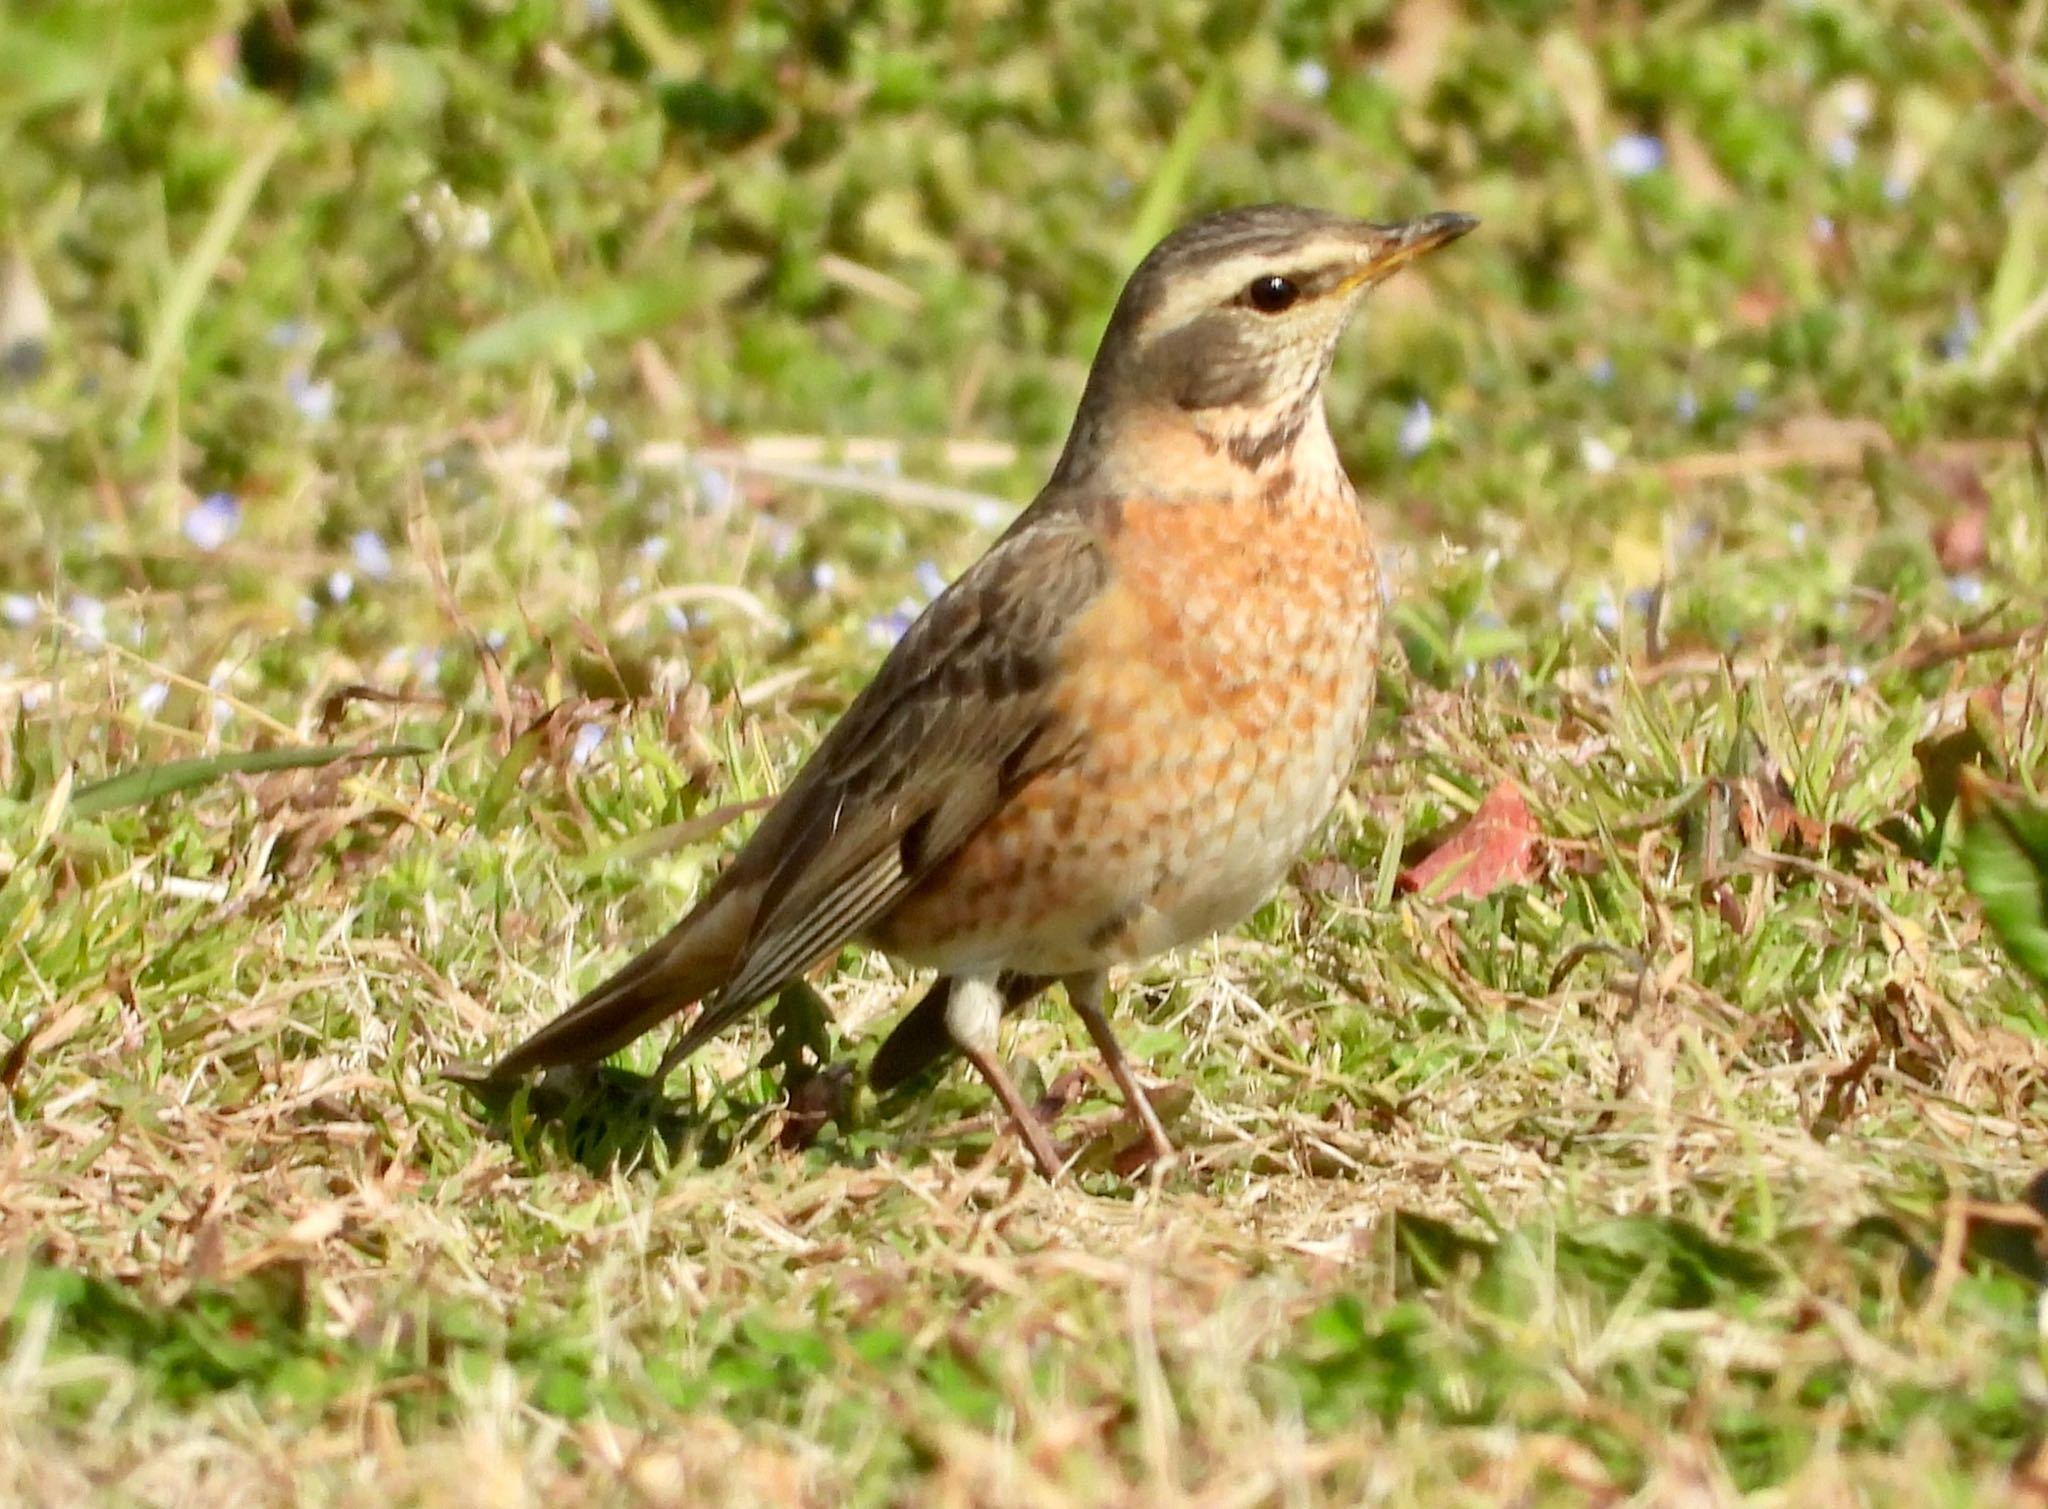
1219, 686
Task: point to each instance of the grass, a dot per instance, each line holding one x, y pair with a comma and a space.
477, 449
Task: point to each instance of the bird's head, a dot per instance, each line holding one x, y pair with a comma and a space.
1232, 320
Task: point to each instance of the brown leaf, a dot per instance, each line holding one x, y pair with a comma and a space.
1962, 540
1331, 880
1728, 902
14, 1059
1756, 307
1768, 818
822, 1097
2029, 1482
1911, 1052
1845, 1091
334, 706
1497, 846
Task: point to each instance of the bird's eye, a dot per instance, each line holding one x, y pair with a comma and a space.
1271, 294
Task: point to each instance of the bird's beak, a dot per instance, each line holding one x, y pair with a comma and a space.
1388, 248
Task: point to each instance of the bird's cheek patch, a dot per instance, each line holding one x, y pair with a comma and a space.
1208, 364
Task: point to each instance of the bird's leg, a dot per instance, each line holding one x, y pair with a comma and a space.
920, 1039
1084, 993
973, 1012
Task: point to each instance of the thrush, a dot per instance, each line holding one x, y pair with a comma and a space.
1114, 732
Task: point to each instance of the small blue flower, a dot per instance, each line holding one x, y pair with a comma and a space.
1635, 155
673, 615
885, 629
19, 609
1746, 399
1842, 151
588, 737
1600, 372
313, 400
1896, 188
560, 512
89, 616
287, 333
1823, 227
715, 490
212, 521
151, 699
1605, 613
598, 429
1796, 533
1961, 334
824, 576
340, 586
1687, 405
1855, 675
372, 555
930, 580
1966, 589
1312, 78
1417, 426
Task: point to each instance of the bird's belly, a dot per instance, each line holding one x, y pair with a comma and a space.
1218, 712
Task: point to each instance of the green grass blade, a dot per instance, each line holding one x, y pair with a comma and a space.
189, 283
2005, 862
55, 56
561, 327
505, 779
145, 784
1159, 209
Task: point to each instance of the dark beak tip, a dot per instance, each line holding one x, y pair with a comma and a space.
1449, 225
1425, 233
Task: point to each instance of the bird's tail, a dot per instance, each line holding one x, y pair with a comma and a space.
693, 960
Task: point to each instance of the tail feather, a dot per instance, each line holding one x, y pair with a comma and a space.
692, 961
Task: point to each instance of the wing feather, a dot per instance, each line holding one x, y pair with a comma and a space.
958, 717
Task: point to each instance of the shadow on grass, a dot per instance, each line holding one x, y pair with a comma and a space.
606, 1117
807, 1097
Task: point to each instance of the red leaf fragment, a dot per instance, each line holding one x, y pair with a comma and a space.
1962, 540
1499, 845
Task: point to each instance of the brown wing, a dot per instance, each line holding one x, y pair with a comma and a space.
955, 720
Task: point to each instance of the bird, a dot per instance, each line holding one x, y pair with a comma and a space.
1114, 732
